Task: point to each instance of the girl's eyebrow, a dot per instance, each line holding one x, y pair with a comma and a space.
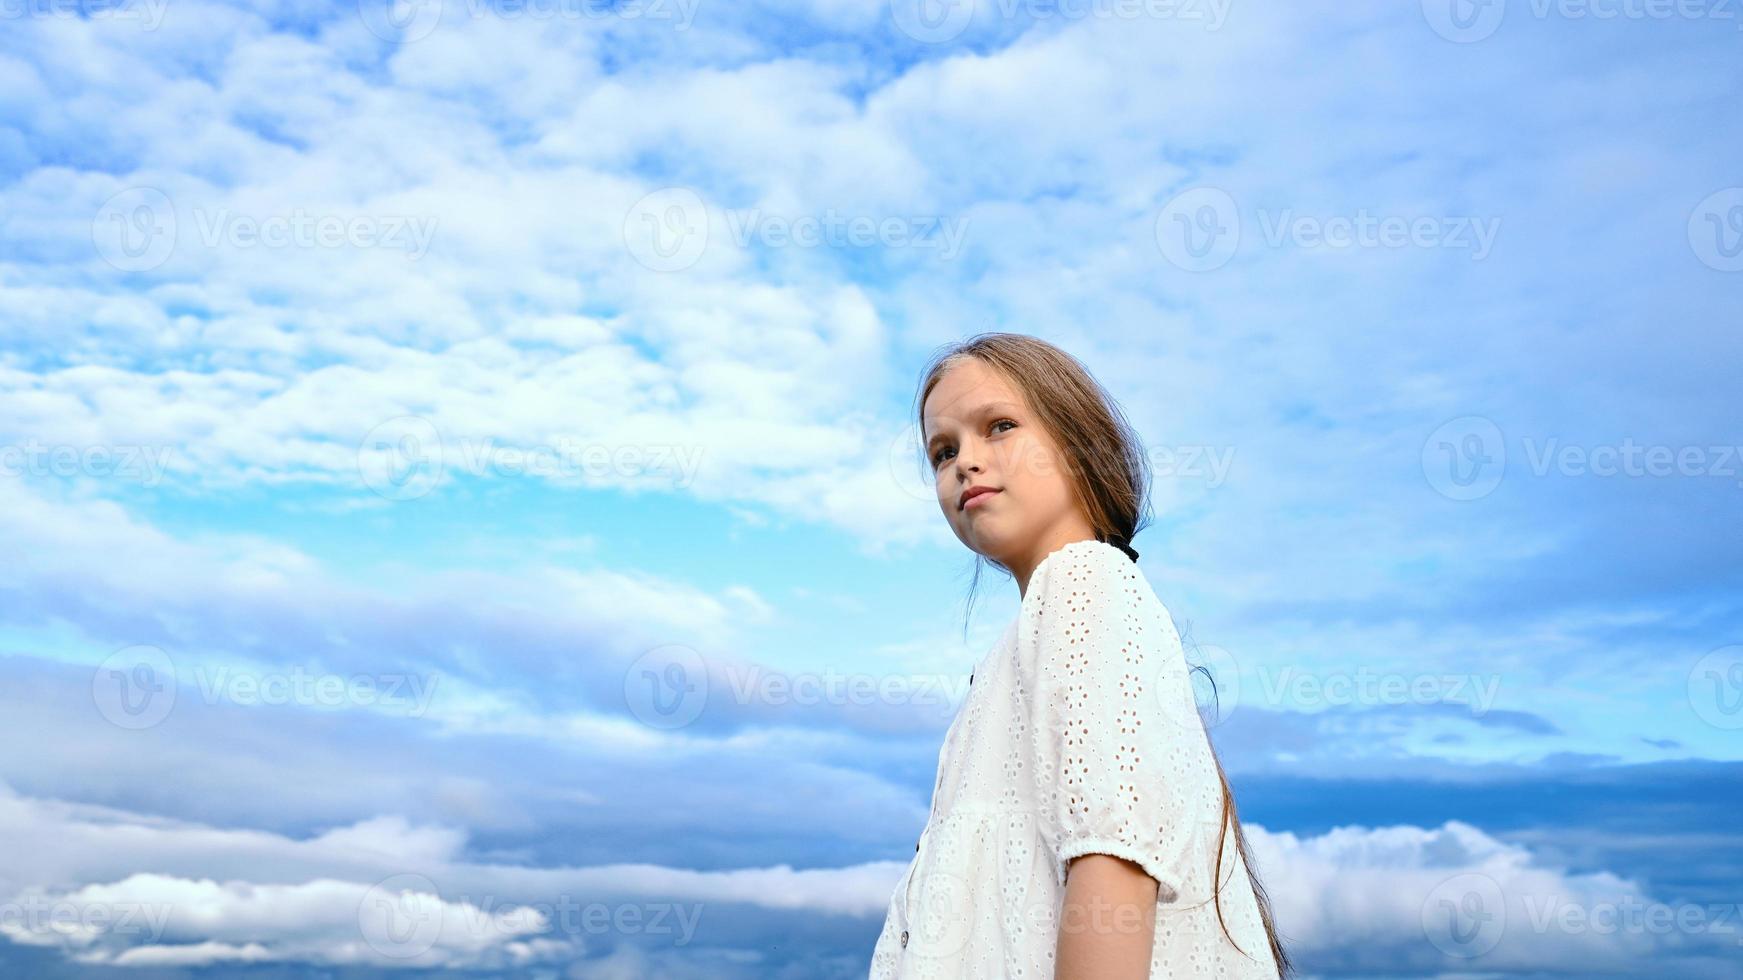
979, 411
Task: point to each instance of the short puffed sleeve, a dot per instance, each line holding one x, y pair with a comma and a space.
1122, 762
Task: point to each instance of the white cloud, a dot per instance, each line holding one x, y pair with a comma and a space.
1348, 896
1453, 897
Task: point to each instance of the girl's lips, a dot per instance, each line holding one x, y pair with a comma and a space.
979, 499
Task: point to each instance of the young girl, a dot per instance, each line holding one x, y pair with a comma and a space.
1081, 826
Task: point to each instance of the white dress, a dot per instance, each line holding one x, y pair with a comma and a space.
1079, 735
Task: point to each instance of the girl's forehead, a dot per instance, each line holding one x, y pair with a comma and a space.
969, 409
970, 388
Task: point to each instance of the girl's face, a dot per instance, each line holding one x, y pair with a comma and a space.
981, 433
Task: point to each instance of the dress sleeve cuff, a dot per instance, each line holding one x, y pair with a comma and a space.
1166, 887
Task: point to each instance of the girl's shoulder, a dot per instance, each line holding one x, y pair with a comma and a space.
1089, 578
1088, 600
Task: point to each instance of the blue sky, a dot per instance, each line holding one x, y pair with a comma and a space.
1426, 312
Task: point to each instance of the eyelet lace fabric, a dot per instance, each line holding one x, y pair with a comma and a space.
1079, 735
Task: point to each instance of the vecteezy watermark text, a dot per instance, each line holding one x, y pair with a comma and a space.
404, 916
137, 687
1365, 687
32, 458
405, 457
408, 21
1201, 229
941, 21
1470, 21
831, 228
309, 688
147, 13
301, 229
1467, 457
668, 687
137, 230
32, 918
670, 229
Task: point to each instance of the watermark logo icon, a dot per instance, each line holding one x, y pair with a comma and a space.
1716, 688
1716, 230
135, 230
401, 459
907, 463
1465, 458
400, 917
667, 230
938, 917
932, 21
400, 21
666, 687
1464, 21
1465, 916
1199, 230
1212, 691
135, 687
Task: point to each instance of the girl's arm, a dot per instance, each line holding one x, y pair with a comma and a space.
1107, 920
1128, 791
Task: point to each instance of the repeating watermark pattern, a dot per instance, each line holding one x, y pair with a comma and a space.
404, 916
145, 464
1466, 458
943, 21
1464, 21
1212, 692
1473, 234
1632, 460
942, 234
401, 458
1467, 916
752, 684
669, 230
1218, 688
1470, 21
405, 458
301, 229
1716, 230
409, 21
1210, 464
137, 229
38, 919
1716, 688
1371, 688
148, 14
137, 687
939, 915
913, 473
668, 687
1632, 916
400, 917
300, 686
1201, 230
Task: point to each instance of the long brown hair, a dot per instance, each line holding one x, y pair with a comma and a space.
1110, 476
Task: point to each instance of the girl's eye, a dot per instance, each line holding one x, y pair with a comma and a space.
938, 457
